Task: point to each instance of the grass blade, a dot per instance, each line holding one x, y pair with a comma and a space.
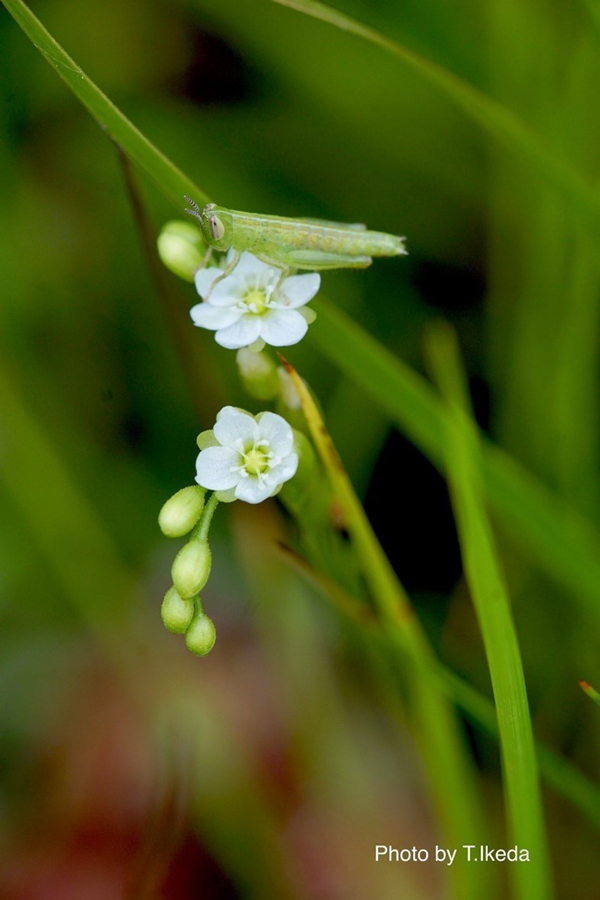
492, 116
496, 119
437, 729
558, 772
485, 577
563, 543
167, 176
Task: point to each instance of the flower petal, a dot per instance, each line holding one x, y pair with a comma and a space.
213, 468
238, 426
241, 334
276, 430
228, 292
204, 278
205, 315
252, 270
283, 472
297, 290
252, 490
280, 328
228, 410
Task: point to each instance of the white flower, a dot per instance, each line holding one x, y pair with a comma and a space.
245, 306
246, 457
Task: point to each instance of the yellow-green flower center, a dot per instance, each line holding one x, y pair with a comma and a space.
256, 301
256, 461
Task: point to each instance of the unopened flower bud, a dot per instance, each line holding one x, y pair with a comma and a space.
288, 402
201, 634
181, 248
258, 373
307, 460
181, 512
191, 568
289, 395
176, 612
295, 489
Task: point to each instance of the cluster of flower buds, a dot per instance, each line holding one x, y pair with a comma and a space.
181, 610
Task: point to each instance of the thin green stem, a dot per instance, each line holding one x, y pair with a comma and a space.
201, 530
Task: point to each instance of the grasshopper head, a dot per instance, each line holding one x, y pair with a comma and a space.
216, 224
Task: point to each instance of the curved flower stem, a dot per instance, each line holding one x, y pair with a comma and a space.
198, 608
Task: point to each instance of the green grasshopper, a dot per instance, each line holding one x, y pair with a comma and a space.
291, 244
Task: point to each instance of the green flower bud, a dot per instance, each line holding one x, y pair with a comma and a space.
181, 512
294, 489
288, 402
307, 460
176, 612
289, 395
181, 248
191, 568
201, 635
258, 373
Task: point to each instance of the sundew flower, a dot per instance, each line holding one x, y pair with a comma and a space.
246, 457
248, 306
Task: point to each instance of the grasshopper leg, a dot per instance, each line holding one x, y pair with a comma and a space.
284, 274
207, 257
226, 271
316, 260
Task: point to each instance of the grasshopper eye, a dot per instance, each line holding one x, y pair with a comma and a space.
217, 229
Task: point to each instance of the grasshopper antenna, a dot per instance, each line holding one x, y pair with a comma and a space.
195, 210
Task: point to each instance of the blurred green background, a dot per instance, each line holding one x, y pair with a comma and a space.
271, 768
